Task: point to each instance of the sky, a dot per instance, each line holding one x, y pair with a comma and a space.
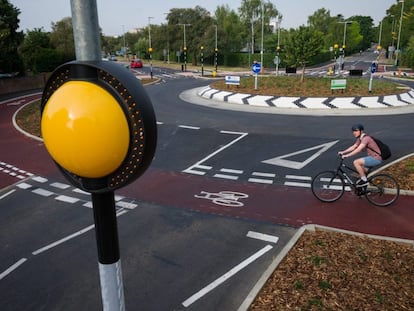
115, 17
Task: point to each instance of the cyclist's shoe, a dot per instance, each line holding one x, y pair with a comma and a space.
362, 184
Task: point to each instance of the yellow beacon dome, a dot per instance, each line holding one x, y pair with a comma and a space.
85, 129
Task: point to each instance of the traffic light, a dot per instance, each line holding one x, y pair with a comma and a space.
98, 125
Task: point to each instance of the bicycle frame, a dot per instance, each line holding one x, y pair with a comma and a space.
328, 186
340, 171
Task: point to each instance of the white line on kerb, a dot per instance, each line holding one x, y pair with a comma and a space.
226, 276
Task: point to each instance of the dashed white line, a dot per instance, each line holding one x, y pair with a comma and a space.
260, 181
7, 194
189, 127
39, 179
299, 177
24, 186
60, 185
262, 236
297, 184
58, 242
66, 199
260, 174
223, 176
43, 192
12, 268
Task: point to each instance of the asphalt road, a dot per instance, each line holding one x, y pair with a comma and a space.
219, 181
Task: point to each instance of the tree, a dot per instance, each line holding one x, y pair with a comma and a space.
301, 45
196, 22
251, 12
10, 38
321, 20
62, 38
230, 34
366, 30
38, 54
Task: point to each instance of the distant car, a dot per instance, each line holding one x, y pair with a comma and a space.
136, 63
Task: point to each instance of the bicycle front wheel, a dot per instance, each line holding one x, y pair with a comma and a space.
382, 190
328, 186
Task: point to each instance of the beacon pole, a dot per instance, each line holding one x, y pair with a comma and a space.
110, 271
99, 126
88, 48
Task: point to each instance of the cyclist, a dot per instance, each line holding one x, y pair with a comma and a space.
373, 158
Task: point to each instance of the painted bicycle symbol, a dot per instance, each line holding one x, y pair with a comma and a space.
225, 198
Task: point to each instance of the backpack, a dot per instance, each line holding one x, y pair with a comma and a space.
385, 151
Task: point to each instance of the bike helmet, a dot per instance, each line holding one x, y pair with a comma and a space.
357, 127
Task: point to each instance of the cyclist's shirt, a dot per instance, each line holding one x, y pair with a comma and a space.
369, 142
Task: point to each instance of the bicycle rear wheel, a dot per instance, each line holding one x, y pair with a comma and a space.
382, 190
328, 186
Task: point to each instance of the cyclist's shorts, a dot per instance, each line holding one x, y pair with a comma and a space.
371, 161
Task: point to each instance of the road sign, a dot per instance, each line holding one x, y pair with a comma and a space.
276, 60
256, 67
373, 67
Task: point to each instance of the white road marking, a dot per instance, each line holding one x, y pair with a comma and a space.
269, 175
299, 177
223, 176
60, 185
66, 199
189, 127
297, 184
226, 276
58, 242
281, 161
199, 163
262, 236
39, 179
12, 268
7, 194
43, 192
261, 181
231, 171
24, 186
69, 237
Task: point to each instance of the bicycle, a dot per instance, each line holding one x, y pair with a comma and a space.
329, 186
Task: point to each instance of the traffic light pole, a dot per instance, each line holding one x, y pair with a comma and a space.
88, 48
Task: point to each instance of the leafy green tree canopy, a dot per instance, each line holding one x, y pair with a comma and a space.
10, 38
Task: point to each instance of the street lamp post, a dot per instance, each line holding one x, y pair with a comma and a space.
261, 45
123, 35
278, 44
185, 47
342, 56
168, 41
202, 60
149, 43
399, 33
215, 50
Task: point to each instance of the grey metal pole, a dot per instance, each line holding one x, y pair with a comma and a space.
86, 30
88, 48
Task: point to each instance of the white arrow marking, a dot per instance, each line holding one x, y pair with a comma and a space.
280, 161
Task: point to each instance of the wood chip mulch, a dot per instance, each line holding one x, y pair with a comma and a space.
338, 271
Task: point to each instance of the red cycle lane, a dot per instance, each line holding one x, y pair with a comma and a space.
20, 156
277, 204
270, 203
